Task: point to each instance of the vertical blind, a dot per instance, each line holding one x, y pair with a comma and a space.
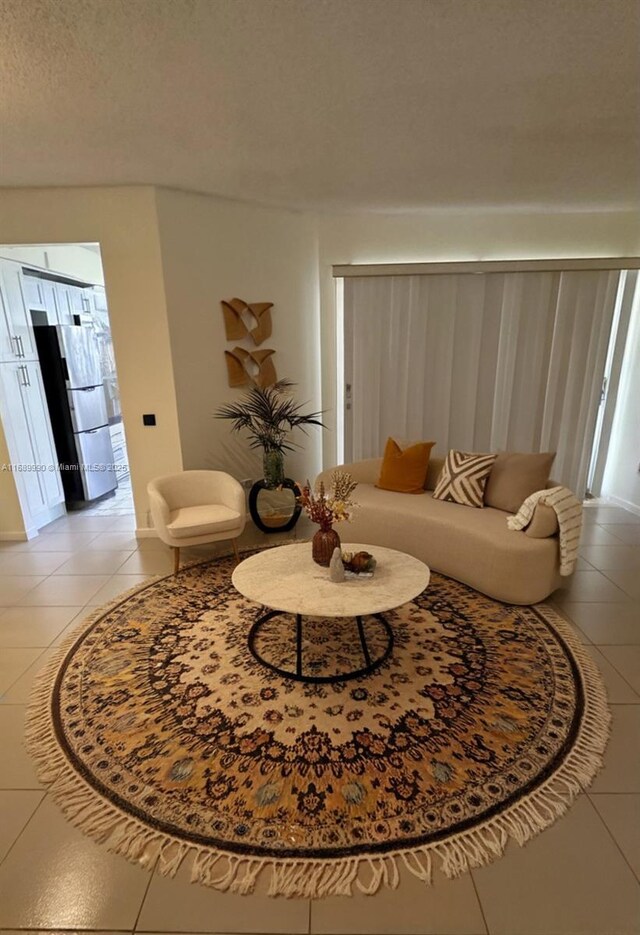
493, 362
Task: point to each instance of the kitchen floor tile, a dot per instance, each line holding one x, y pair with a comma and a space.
153, 544
34, 626
621, 815
606, 623
625, 532
49, 931
621, 772
447, 907
115, 542
614, 515
152, 562
61, 542
598, 535
124, 523
15, 587
78, 523
31, 563
626, 659
20, 690
616, 557
176, 905
115, 586
557, 884
64, 590
589, 586
57, 877
16, 766
14, 661
93, 563
619, 691
16, 808
582, 564
628, 579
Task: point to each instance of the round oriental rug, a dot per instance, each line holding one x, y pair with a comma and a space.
163, 737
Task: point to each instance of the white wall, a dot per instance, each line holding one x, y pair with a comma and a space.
621, 481
124, 222
11, 523
442, 236
75, 260
214, 249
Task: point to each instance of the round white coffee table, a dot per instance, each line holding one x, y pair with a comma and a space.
287, 580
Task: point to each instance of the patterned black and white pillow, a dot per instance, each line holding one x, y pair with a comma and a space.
463, 478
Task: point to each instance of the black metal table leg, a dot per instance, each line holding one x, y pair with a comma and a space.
363, 640
297, 676
299, 646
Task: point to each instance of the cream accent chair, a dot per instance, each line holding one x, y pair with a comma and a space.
196, 507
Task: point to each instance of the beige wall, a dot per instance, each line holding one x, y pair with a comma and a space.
170, 257
214, 249
455, 236
124, 222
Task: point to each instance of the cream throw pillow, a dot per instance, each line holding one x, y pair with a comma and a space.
463, 478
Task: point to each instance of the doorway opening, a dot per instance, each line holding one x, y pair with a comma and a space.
59, 399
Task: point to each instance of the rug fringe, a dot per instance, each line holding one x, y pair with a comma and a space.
314, 878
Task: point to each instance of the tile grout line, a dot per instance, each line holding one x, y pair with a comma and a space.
144, 896
475, 889
610, 832
28, 822
615, 669
631, 597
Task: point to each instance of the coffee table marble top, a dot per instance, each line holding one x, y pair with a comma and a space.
287, 579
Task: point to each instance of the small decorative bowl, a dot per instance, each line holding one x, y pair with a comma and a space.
358, 564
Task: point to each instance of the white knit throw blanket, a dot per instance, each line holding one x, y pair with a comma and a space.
568, 509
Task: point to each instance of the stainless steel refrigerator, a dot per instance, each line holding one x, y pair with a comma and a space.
72, 376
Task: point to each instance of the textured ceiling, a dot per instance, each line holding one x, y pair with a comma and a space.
327, 104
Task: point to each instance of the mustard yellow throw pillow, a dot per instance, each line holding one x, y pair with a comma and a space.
404, 471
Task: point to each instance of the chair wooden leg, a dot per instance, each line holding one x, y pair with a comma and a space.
176, 560
235, 549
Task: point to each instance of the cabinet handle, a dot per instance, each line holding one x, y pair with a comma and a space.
23, 381
26, 375
22, 353
14, 337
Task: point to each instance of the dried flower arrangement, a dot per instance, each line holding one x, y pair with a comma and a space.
326, 508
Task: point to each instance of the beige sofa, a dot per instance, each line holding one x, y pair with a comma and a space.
472, 545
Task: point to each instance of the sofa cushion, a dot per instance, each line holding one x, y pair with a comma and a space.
514, 477
463, 478
404, 470
473, 546
544, 522
192, 521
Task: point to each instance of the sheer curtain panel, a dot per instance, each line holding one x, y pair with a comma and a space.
478, 362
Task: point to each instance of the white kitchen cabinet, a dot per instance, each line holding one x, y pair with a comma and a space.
16, 331
25, 417
119, 448
40, 296
33, 293
78, 300
99, 299
63, 303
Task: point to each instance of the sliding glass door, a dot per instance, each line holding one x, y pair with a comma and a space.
496, 361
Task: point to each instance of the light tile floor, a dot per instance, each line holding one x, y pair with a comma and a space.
579, 877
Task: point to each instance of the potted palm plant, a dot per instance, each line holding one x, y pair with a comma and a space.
268, 415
